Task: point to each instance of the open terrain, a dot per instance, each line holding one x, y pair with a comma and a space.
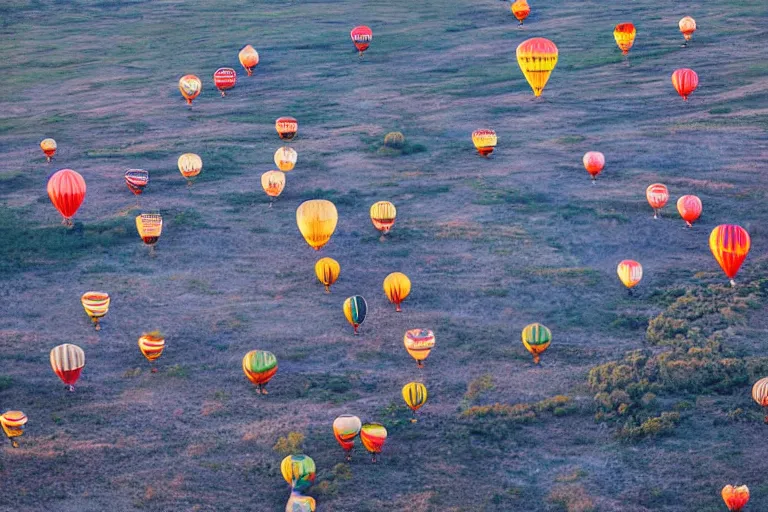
490, 245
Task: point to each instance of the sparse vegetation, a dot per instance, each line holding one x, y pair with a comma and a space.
290, 444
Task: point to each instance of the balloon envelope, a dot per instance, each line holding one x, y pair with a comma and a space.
521, 10
13, 425
287, 127
317, 220
327, 271
537, 57
373, 436
66, 189
730, 244
685, 82
362, 37
735, 498
224, 79
273, 183
298, 471
624, 34
67, 362
419, 343
151, 345
96, 305
49, 148
536, 340
383, 216
594, 161
136, 179
249, 58
397, 286
414, 395
355, 309
657, 196
150, 227
345, 428
285, 158
259, 366
630, 272
190, 165
485, 141
190, 87
689, 208
687, 27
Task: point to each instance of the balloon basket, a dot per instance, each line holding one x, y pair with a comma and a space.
594, 181
15, 444
153, 370
97, 326
382, 238
414, 420
348, 457
71, 389
327, 289
373, 459
733, 285
419, 364
398, 309
48, 159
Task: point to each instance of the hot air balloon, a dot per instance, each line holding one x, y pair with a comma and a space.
373, 436
760, 394
96, 305
689, 208
150, 227
729, 245
49, 148
67, 362
735, 498
299, 503
355, 309
136, 179
657, 195
66, 189
224, 79
298, 471
151, 345
630, 273
362, 37
419, 343
13, 425
249, 58
624, 34
415, 395
273, 183
190, 87
190, 165
345, 428
285, 158
327, 271
383, 216
594, 161
286, 127
685, 81
537, 57
397, 286
536, 340
260, 366
521, 10
317, 220
687, 27
485, 141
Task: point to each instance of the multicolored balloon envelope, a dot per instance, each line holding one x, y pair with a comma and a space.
689, 208
657, 196
730, 245
630, 272
594, 161
260, 366
419, 343
67, 361
485, 141
298, 471
521, 10
685, 82
327, 271
190, 165
287, 127
49, 148
299, 503
537, 57
151, 345
397, 286
345, 428
355, 309
150, 227
373, 436
362, 37
687, 27
13, 425
190, 87
735, 498
249, 58
317, 220
273, 183
414, 395
224, 79
66, 189
383, 214
136, 179
285, 158
536, 340
760, 394
624, 34
96, 305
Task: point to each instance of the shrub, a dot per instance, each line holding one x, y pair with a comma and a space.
290, 444
572, 498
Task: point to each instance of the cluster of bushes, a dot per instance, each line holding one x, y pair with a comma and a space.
395, 144
522, 413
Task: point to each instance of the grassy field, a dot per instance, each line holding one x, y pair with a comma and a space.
641, 404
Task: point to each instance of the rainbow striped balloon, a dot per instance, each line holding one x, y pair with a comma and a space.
298, 471
260, 366
96, 305
373, 436
151, 345
419, 343
345, 428
536, 339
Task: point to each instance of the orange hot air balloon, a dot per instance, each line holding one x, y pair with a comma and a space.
594, 161
260, 366
287, 127
190, 165
485, 141
687, 27
689, 208
345, 428
224, 79
624, 34
729, 245
273, 183
362, 37
685, 81
285, 158
373, 436
49, 148
419, 343
151, 345
67, 362
657, 195
66, 189
13, 425
760, 394
190, 87
537, 57
521, 10
327, 271
397, 286
249, 58
383, 214
630, 273
317, 220
735, 498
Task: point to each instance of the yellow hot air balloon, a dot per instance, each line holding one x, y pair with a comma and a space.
151, 345
317, 220
190, 165
485, 141
96, 305
630, 273
273, 183
397, 286
537, 57
419, 343
624, 34
13, 425
327, 271
383, 216
49, 148
536, 340
285, 158
150, 227
415, 395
